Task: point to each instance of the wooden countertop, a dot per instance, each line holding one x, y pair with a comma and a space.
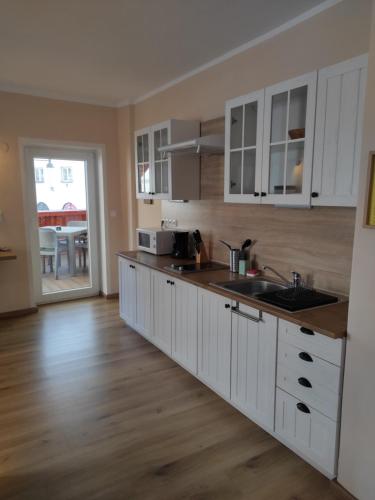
7, 256
330, 320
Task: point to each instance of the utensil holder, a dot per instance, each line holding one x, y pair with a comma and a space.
234, 261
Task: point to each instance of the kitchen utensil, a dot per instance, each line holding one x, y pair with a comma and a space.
246, 244
226, 244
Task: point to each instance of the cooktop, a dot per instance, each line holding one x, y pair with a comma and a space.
296, 299
195, 268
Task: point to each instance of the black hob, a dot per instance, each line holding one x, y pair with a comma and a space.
296, 299
196, 268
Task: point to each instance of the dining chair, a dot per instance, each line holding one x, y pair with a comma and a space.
81, 241
49, 246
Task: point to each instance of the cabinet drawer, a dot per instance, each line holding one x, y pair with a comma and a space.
318, 371
318, 396
311, 434
314, 343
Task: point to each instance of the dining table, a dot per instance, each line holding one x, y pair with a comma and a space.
70, 233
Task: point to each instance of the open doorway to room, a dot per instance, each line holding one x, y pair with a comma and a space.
64, 236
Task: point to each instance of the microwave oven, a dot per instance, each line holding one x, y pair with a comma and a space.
155, 240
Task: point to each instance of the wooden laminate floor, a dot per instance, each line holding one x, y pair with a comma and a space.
90, 410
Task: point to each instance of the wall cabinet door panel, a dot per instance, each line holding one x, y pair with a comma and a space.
185, 324
338, 132
214, 341
289, 117
254, 365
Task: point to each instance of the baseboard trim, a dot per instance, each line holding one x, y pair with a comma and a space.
109, 296
18, 313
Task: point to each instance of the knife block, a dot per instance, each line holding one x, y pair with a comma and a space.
202, 255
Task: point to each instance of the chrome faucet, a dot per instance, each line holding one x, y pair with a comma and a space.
296, 277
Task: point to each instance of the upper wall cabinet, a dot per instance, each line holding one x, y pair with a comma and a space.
338, 133
289, 115
166, 177
243, 148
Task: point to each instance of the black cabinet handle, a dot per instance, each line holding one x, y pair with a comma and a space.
227, 306
172, 283
168, 282
303, 408
263, 193
131, 266
256, 194
306, 331
305, 357
303, 381
314, 194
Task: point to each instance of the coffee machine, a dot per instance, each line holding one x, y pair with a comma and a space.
182, 245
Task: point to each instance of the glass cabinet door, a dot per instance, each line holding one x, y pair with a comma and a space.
143, 164
289, 129
161, 162
244, 122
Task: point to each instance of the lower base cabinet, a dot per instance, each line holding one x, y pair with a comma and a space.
162, 308
214, 341
253, 364
307, 431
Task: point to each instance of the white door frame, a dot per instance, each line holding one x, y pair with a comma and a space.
95, 187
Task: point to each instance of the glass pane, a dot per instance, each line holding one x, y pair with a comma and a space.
157, 145
139, 149
165, 180
236, 127
278, 119
145, 148
249, 171
140, 179
294, 167
235, 173
297, 113
277, 157
146, 176
251, 112
164, 137
157, 171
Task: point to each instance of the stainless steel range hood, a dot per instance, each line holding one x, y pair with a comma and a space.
208, 144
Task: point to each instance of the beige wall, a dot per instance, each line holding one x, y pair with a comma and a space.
336, 34
33, 117
357, 451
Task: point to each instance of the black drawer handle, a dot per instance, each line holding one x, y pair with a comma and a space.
305, 357
227, 306
303, 381
314, 194
168, 282
263, 193
306, 331
172, 283
256, 194
303, 408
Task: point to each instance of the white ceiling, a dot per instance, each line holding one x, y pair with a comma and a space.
112, 51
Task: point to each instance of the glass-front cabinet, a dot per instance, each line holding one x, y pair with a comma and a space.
289, 113
163, 175
243, 148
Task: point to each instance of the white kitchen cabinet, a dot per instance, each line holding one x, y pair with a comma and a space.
162, 308
185, 324
289, 116
166, 177
243, 148
214, 341
253, 364
127, 286
135, 295
338, 133
308, 432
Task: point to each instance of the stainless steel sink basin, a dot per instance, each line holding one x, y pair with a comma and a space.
250, 287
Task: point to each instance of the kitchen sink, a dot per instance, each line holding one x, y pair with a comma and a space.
250, 287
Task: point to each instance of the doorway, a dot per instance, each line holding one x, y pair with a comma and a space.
62, 193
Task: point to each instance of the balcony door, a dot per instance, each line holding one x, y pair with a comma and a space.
62, 223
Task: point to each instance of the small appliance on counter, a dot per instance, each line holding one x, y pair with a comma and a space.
182, 245
155, 240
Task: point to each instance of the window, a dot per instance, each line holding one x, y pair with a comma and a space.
39, 174
66, 175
